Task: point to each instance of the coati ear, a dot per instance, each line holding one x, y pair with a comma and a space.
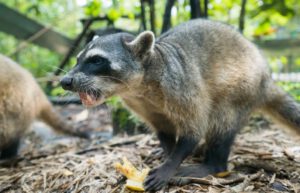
142, 44
95, 37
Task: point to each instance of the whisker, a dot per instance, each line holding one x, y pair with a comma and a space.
55, 67
111, 77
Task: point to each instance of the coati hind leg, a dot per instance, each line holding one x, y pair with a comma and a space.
216, 154
10, 150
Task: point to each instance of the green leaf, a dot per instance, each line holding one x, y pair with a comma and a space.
113, 14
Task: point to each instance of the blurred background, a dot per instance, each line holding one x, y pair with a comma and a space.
45, 35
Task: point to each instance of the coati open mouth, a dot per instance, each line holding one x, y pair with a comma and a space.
90, 99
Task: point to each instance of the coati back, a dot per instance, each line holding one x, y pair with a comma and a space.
199, 80
21, 102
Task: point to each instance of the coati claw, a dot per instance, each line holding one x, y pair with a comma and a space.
157, 178
83, 134
179, 181
198, 170
156, 154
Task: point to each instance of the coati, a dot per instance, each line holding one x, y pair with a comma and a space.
200, 79
21, 101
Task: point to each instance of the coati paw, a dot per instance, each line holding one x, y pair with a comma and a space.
156, 154
157, 179
198, 170
83, 134
193, 171
179, 181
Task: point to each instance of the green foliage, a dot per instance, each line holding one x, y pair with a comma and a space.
113, 14
267, 16
116, 103
62, 16
292, 88
297, 62
263, 20
114, 10
39, 61
58, 91
123, 120
93, 8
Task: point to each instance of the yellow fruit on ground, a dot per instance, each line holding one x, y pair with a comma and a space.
135, 178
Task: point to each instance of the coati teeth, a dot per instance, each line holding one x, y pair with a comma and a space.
87, 99
90, 100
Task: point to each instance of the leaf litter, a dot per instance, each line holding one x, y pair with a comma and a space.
264, 158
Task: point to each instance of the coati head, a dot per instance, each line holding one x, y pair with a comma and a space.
109, 65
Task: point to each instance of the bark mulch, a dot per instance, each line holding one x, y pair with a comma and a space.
264, 158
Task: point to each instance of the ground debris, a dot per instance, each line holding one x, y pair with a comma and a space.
265, 160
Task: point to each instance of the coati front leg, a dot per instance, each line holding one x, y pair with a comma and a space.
160, 176
166, 133
216, 154
167, 141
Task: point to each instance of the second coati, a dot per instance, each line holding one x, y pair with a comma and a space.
200, 79
22, 101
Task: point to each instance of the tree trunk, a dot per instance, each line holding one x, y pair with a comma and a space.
195, 9
205, 15
143, 16
152, 15
242, 16
167, 16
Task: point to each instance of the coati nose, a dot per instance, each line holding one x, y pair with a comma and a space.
66, 83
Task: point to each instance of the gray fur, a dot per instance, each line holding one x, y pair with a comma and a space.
200, 79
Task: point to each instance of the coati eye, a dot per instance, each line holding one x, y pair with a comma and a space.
97, 60
96, 65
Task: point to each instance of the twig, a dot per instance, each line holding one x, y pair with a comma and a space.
4, 188
113, 143
221, 182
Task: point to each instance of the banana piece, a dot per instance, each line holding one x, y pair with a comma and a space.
135, 178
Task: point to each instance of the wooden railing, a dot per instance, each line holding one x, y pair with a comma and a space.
286, 77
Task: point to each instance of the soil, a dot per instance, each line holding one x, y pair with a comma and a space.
264, 158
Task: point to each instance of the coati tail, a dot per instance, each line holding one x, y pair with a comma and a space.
282, 107
52, 118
